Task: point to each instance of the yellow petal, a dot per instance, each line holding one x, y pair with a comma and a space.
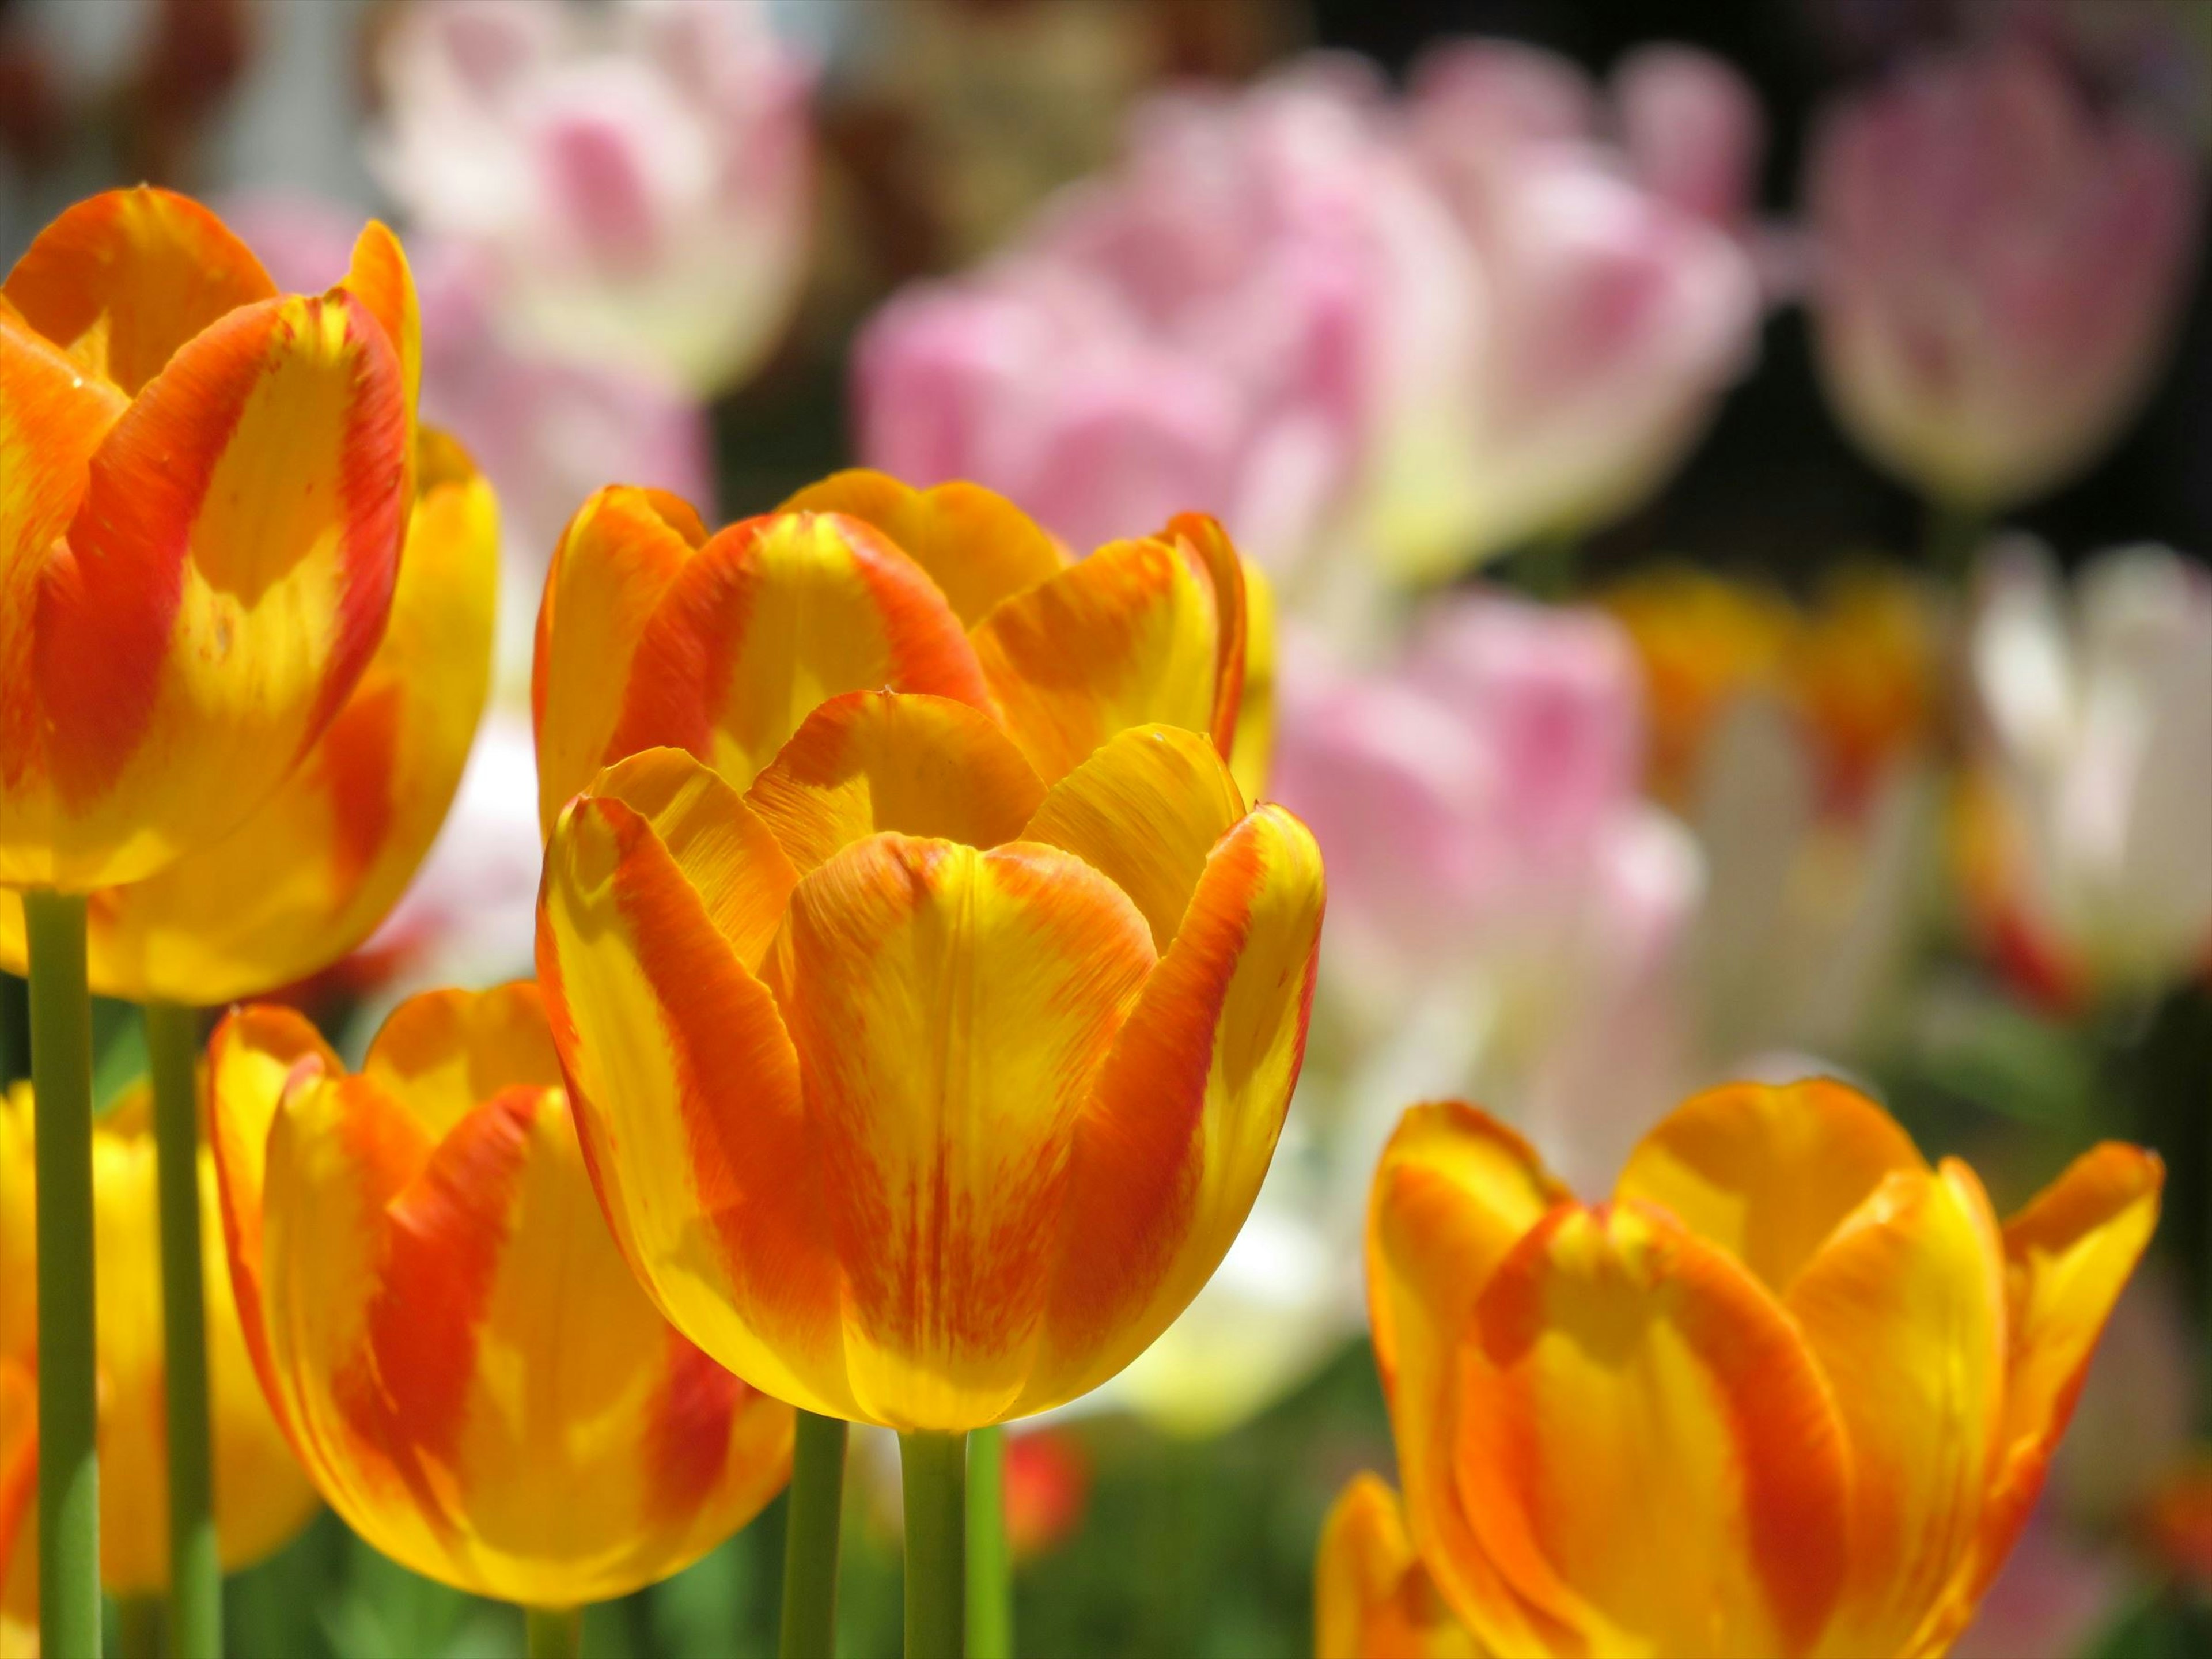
977, 546
379, 278
1767, 1172
1253, 755
1618, 1369
1146, 809
123, 279
1904, 1309
949, 1008
886, 760
442, 1054
1372, 1597
614, 560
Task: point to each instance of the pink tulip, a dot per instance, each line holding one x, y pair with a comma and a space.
1997, 265
638, 175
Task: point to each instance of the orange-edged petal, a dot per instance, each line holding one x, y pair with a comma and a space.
1132, 636
1146, 809
2068, 1255
977, 546
867, 761
379, 278
615, 561
1373, 1599
1252, 757
442, 1054
1177, 1132
775, 615
686, 1093
1232, 641
1614, 1362
311, 874
1903, 1310
122, 280
228, 578
1768, 1172
949, 1008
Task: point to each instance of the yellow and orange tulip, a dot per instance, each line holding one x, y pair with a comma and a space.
652, 633
262, 1498
1790, 1392
203, 489
441, 1323
310, 875
1373, 1599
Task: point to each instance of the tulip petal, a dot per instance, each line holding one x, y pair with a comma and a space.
310, 875
2067, 1256
1232, 641
950, 1007
379, 276
1132, 636
977, 546
1253, 757
19, 1508
1145, 810
1767, 1172
1171, 1145
775, 615
121, 280
887, 760
678, 1055
442, 1054
615, 561
1372, 1595
1903, 1310
1612, 1356
228, 577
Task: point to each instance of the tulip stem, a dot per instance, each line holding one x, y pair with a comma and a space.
69, 1465
553, 1632
934, 1476
195, 1568
990, 1566
810, 1538
138, 1626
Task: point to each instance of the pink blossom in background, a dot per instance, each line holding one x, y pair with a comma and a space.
637, 176
1997, 265
1229, 320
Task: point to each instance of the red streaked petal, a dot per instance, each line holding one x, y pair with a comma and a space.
379, 276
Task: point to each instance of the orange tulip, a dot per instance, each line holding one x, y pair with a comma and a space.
1790, 1392
442, 1324
652, 633
310, 875
1372, 1597
262, 1498
203, 488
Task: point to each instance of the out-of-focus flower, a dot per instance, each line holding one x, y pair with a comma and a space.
2082, 826
1997, 266
1038, 808
1616, 304
1506, 919
1048, 1489
1235, 319
1372, 1596
262, 1498
442, 1323
312, 872
2050, 1601
2177, 1523
204, 491
640, 175
1842, 1381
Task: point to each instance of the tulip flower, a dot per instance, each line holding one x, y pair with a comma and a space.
640, 175
441, 1323
1372, 1596
1820, 1359
312, 872
262, 1497
1997, 269
2084, 820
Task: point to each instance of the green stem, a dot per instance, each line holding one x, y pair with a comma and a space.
68, 1464
138, 1627
195, 1569
990, 1564
810, 1538
553, 1632
933, 1474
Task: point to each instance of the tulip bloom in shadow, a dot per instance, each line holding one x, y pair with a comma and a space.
444, 1328
1790, 1392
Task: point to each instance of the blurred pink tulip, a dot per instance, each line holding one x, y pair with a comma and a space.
1996, 269
638, 175
1229, 321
